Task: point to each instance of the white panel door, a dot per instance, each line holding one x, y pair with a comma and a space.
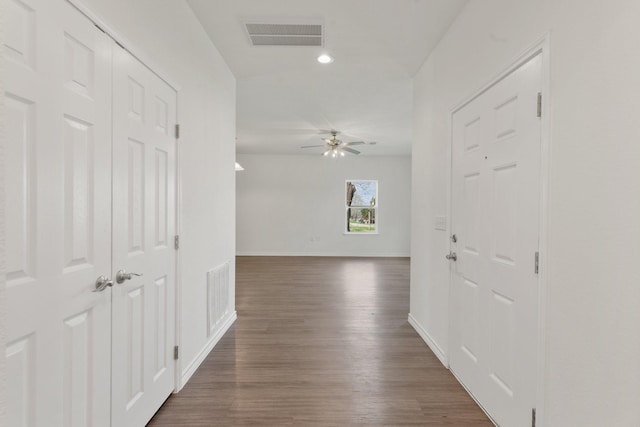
143, 230
58, 215
495, 217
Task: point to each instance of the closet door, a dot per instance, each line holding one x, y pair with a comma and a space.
57, 81
143, 230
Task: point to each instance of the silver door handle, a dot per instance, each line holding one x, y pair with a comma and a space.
122, 276
102, 283
451, 256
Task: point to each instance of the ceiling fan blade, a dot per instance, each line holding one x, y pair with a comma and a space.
354, 143
350, 150
312, 146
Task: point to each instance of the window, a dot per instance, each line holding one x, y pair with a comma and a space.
361, 207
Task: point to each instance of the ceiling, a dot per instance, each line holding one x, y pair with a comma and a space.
286, 99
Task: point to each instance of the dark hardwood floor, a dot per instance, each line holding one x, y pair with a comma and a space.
321, 342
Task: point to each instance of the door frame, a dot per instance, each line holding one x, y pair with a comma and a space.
145, 60
3, 298
540, 47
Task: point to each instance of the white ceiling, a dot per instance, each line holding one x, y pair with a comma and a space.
285, 98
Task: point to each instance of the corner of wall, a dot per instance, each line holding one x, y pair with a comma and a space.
435, 348
193, 365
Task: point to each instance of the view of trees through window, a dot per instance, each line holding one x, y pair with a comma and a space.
361, 206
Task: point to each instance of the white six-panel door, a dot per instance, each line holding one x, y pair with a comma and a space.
72, 96
143, 231
495, 217
58, 215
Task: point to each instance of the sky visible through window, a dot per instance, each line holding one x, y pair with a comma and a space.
365, 193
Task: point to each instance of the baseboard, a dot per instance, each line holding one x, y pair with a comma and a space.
443, 359
435, 348
474, 398
325, 254
197, 361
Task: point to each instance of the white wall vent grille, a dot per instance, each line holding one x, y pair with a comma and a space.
265, 34
217, 296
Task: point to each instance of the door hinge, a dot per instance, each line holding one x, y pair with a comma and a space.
539, 104
176, 242
536, 267
177, 131
533, 417
176, 352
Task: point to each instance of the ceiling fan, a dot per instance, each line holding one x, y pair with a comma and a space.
335, 147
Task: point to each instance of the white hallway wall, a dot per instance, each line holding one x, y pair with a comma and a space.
592, 365
3, 311
167, 32
294, 205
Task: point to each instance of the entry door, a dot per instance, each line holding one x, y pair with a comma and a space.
143, 231
57, 81
495, 218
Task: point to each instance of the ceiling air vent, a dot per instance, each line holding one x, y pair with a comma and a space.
284, 34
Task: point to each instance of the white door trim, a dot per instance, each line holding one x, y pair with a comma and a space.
542, 48
178, 383
124, 43
3, 308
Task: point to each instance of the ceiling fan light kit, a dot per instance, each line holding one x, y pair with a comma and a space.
335, 147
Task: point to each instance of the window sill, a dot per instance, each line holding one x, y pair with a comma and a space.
347, 233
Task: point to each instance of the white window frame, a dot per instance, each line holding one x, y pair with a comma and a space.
376, 208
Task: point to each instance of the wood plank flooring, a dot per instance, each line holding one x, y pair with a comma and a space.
321, 342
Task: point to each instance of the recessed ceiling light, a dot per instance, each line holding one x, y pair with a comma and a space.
325, 59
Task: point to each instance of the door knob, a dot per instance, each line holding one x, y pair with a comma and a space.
102, 283
122, 276
451, 256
